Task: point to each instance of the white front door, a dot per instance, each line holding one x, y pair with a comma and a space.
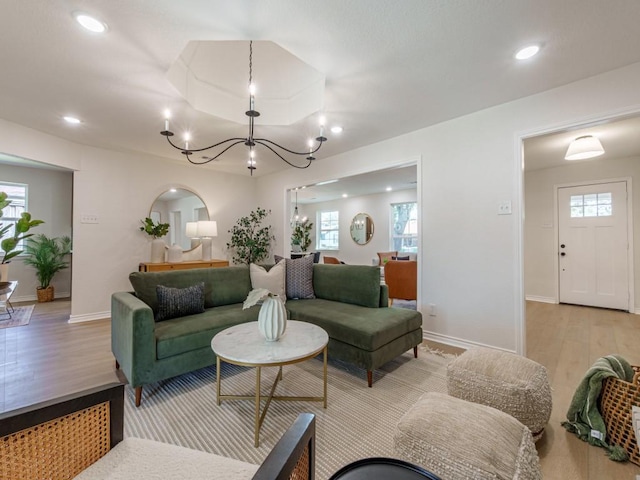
593, 245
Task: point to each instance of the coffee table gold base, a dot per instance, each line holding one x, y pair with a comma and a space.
257, 397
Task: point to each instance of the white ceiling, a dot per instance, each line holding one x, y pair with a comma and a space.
399, 178
391, 66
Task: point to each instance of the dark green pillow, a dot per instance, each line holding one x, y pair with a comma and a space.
178, 302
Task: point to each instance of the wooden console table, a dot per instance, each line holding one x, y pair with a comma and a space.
162, 267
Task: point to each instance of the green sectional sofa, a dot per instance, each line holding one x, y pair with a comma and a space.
350, 304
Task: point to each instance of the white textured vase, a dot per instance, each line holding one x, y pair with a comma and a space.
174, 255
272, 318
157, 250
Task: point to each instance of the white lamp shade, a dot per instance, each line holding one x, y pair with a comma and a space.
192, 229
207, 228
584, 147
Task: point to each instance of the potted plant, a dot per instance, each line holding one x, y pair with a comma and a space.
47, 256
250, 239
9, 244
157, 231
301, 236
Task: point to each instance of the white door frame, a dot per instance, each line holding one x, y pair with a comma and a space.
556, 233
518, 159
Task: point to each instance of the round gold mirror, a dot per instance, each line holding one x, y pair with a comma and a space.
362, 229
177, 207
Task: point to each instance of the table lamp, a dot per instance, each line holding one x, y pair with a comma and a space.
206, 230
192, 233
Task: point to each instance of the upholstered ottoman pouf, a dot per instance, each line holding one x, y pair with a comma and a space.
456, 440
511, 383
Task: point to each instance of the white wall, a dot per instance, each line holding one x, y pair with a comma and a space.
540, 243
471, 265
49, 199
119, 188
378, 208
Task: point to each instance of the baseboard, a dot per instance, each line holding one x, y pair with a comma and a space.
458, 342
637, 311
89, 317
34, 298
537, 298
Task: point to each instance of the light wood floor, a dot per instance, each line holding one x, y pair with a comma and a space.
50, 357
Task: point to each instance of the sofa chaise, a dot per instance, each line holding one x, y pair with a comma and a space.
350, 304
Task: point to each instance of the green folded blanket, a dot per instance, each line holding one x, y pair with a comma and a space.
583, 416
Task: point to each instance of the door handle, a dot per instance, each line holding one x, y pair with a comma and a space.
562, 254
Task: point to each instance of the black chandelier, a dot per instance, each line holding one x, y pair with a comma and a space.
250, 141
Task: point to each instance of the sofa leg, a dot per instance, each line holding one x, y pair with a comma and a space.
415, 352
117, 365
370, 378
138, 395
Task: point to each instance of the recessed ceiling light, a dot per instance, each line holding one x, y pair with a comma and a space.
72, 120
527, 52
344, 195
388, 189
172, 190
90, 23
336, 129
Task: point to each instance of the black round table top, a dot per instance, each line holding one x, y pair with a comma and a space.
382, 469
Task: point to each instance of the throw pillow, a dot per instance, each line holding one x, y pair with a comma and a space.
273, 280
178, 302
400, 258
300, 278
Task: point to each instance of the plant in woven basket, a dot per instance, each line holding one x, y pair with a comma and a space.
48, 257
250, 239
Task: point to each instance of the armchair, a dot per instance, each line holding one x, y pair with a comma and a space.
401, 276
82, 434
332, 260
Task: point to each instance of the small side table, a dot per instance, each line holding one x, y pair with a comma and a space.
244, 345
382, 469
6, 290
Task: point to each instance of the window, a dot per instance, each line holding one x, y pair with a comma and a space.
328, 231
591, 205
17, 193
404, 219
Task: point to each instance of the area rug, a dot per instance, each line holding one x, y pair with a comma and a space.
20, 316
358, 422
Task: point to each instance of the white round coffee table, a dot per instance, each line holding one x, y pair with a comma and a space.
244, 345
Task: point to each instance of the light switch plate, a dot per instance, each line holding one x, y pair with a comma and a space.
504, 208
89, 218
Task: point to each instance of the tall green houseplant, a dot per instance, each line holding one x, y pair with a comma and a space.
48, 257
250, 239
22, 226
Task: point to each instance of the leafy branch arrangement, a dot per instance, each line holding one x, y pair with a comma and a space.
250, 239
301, 234
22, 226
156, 230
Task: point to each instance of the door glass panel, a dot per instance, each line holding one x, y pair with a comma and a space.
604, 210
591, 199
576, 212
604, 198
591, 211
591, 205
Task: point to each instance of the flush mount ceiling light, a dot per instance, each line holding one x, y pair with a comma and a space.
584, 147
527, 52
72, 120
250, 140
90, 23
